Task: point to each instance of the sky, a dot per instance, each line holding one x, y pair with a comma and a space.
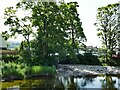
87, 12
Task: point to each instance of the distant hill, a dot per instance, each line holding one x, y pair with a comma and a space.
3, 44
13, 44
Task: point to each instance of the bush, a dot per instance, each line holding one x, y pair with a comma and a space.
20, 73
13, 71
36, 70
42, 70
48, 70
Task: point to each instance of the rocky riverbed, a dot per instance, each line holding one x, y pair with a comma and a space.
82, 70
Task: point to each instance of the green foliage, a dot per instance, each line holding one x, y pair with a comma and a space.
14, 71
36, 70
86, 59
91, 59
56, 38
42, 70
61, 34
17, 25
10, 58
107, 26
102, 59
24, 53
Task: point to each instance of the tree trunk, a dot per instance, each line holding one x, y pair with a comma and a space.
73, 40
29, 52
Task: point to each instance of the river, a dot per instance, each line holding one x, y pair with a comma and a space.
65, 83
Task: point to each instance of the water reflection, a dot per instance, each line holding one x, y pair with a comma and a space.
64, 83
109, 83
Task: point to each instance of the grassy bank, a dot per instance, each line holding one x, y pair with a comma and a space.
13, 70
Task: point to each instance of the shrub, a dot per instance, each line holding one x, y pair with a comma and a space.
36, 70
48, 70
42, 70
13, 70
20, 73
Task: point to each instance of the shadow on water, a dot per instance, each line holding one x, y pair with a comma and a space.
105, 82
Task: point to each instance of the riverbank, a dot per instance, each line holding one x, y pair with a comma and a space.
16, 71
82, 70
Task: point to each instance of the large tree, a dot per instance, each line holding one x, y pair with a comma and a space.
107, 24
73, 24
50, 35
73, 28
59, 28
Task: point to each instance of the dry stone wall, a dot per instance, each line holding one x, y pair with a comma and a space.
75, 70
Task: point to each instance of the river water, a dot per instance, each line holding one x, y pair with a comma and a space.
65, 83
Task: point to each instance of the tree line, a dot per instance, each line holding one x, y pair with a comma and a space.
56, 28
57, 31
